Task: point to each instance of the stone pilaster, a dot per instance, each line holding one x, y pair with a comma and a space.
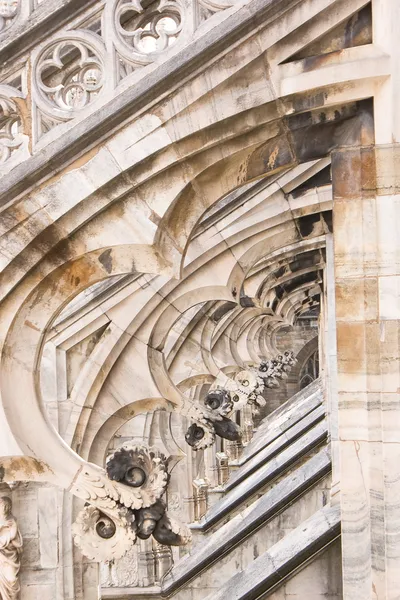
366, 187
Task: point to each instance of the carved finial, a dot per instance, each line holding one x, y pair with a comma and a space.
10, 551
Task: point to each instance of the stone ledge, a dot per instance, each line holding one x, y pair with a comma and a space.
283, 418
278, 445
232, 533
293, 552
131, 593
264, 475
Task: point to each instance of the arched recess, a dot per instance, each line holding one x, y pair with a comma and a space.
293, 146
22, 350
25, 339
308, 349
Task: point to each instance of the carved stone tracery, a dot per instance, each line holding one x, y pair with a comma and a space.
11, 124
69, 73
150, 30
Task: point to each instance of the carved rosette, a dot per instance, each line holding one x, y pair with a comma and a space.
140, 468
200, 437
219, 401
101, 538
271, 371
253, 386
246, 388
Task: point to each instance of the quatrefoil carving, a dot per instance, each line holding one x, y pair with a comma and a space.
69, 74
141, 33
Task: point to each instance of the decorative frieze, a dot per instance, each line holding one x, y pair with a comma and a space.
74, 66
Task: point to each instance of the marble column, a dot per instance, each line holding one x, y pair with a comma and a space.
366, 189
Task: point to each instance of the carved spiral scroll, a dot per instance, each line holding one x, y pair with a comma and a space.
101, 538
141, 468
131, 505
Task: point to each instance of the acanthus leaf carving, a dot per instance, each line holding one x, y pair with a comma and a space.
93, 486
139, 468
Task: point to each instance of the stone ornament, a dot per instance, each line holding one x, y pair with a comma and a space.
276, 369
11, 127
141, 33
94, 486
200, 437
251, 387
245, 388
169, 532
69, 74
140, 468
220, 401
8, 11
106, 529
101, 538
10, 551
